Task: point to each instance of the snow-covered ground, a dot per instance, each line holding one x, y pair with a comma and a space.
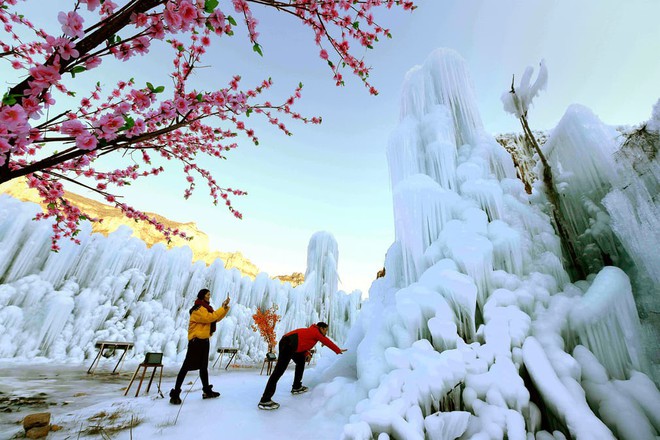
80, 403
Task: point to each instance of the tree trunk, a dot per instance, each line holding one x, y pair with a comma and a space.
554, 199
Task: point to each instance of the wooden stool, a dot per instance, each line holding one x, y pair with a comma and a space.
270, 358
151, 360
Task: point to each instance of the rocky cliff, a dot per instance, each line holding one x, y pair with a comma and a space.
113, 219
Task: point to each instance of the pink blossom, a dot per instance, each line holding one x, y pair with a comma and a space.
72, 24
187, 12
72, 127
124, 107
140, 20
181, 105
217, 19
141, 45
86, 142
68, 50
44, 76
172, 17
140, 99
4, 147
124, 52
138, 128
324, 54
13, 117
157, 30
91, 4
110, 123
92, 62
108, 7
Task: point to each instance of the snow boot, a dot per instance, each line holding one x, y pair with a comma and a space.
301, 389
208, 393
175, 397
268, 405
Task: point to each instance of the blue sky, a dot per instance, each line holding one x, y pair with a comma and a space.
334, 177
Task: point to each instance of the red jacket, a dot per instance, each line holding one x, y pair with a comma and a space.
308, 337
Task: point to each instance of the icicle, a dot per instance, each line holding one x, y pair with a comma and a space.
487, 194
57, 309
403, 151
421, 208
473, 254
460, 292
441, 426
450, 85
575, 414
607, 324
507, 247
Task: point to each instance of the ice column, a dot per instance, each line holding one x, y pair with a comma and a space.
444, 79
322, 258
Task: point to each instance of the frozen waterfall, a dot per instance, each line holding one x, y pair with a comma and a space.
57, 305
476, 331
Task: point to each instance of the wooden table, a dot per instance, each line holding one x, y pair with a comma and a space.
110, 345
230, 351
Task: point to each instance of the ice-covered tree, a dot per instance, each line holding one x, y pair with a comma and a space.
517, 102
51, 130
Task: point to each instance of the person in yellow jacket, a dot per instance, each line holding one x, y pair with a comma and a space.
200, 329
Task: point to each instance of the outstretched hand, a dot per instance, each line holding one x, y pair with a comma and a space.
343, 350
225, 303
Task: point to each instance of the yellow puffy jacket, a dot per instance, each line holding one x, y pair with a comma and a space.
200, 322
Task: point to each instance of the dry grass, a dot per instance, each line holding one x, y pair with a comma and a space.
106, 423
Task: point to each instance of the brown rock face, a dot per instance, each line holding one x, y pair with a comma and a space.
113, 219
295, 278
36, 420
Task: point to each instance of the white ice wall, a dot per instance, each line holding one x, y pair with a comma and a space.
57, 305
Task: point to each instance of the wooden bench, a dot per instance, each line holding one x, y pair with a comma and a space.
151, 360
231, 351
111, 346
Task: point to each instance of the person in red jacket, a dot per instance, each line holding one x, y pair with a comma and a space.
295, 346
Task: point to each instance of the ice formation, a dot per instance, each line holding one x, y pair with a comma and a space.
581, 152
476, 331
518, 103
57, 305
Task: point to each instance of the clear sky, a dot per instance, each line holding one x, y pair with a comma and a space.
604, 54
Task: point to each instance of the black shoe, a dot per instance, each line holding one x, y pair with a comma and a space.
208, 393
301, 389
268, 405
175, 397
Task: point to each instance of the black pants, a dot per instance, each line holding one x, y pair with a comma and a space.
287, 348
197, 358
